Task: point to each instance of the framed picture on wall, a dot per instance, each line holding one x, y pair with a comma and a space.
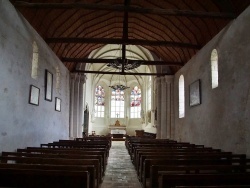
195, 93
48, 85
58, 104
34, 95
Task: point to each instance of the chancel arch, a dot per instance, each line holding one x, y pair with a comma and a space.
118, 102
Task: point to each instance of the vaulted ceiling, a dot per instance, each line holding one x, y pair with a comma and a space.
172, 30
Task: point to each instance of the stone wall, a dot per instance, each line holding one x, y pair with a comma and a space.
23, 124
222, 120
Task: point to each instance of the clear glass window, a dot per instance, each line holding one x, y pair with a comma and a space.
117, 104
181, 97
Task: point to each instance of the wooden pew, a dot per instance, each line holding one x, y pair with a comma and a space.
73, 145
68, 151
76, 146
131, 144
150, 156
167, 145
106, 143
173, 150
186, 162
88, 151
187, 156
215, 186
171, 146
55, 161
96, 138
58, 155
142, 154
30, 178
68, 168
192, 169
167, 180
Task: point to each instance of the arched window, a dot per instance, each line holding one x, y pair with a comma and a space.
58, 79
135, 102
117, 103
214, 69
99, 101
181, 97
34, 71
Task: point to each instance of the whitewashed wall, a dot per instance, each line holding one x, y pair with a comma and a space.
23, 124
223, 118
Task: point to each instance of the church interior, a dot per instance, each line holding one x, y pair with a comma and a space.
172, 70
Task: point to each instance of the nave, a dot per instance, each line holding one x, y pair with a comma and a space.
120, 172
99, 162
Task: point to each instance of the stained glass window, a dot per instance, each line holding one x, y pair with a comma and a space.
99, 101
135, 102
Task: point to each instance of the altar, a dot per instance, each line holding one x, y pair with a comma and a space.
117, 132
117, 129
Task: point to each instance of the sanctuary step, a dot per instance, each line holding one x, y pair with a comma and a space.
118, 139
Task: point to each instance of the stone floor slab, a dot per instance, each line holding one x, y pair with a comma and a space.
120, 172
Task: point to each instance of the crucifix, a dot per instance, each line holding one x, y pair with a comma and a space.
117, 115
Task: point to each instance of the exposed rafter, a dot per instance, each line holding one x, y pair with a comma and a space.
120, 73
144, 62
105, 7
122, 41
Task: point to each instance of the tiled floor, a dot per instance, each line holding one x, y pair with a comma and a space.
120, 172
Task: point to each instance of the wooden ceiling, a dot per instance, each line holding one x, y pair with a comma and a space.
173, 30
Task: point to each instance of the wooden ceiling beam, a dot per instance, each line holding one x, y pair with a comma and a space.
119, 8
120, 73
144, 62
122, 41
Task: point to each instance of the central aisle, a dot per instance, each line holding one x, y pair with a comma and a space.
120, 172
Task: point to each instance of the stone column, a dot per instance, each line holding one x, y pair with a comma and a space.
172, 115
158, 108
169, 105
81, 106
163, 108
76, 107
71, 114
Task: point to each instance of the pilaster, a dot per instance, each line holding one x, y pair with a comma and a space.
163, 108
81, 106
169, 105
158, 108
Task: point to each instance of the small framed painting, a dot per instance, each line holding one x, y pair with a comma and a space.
195, 93
48, 85
34, 95
58, 104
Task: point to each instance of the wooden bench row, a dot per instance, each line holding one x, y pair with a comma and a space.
166, 163
64, 166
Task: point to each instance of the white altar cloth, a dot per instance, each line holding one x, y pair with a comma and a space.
117, 131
